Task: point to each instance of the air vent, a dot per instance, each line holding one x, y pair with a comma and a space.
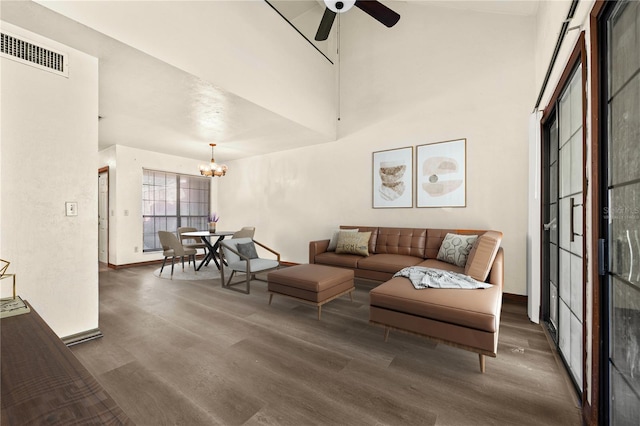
30, 53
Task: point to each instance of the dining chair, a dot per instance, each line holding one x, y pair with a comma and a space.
245, 232
241, 256
172, 247
191, 242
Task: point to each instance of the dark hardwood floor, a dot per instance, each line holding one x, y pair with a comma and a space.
192, 353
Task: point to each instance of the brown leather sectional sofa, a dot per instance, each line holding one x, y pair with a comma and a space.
468, 319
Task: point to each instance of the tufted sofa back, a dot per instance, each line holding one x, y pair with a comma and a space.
404, 241
418, 242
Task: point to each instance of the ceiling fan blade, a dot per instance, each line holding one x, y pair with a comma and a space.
379, 12
325, 25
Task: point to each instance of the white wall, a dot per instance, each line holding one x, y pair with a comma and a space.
406, 86
49, 156
248, 50
125, 197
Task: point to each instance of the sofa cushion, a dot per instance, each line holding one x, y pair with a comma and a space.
342, 260
455, 248
388, 262
404, 241
333, 242
374, 234
353, 243
476, 309
482, 255
439, 264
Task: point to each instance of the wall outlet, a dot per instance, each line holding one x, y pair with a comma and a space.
126, 212
135, 249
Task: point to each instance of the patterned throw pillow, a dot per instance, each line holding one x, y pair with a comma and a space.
248, 250
334, 238
353, 243
455, 248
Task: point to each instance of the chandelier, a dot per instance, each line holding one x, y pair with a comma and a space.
214, 169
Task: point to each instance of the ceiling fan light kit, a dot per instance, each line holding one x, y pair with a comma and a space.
373, 8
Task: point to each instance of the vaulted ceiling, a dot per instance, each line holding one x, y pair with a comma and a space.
148, 104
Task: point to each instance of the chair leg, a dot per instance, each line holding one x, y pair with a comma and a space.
162, 267
172, 262
194, 263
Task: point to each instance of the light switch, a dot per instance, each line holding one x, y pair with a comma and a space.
71, 208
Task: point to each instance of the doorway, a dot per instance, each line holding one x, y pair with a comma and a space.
563, 266
103, 216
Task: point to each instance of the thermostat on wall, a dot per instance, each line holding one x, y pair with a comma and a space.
72, 208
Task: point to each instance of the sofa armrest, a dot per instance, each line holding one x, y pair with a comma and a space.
317, 247
496, 275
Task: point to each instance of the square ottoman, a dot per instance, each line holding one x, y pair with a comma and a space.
314, 284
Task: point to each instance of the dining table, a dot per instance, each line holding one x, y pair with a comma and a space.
207, 237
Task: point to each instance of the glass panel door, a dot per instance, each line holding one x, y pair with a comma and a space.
563, 240
623, 211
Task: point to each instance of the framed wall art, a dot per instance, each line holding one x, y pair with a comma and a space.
441, 174
393, 178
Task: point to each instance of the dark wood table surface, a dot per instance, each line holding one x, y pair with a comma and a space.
42, 382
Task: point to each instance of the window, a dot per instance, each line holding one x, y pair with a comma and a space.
170, 201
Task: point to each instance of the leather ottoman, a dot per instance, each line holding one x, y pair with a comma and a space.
314, 284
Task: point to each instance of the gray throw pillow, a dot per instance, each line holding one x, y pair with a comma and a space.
248, 250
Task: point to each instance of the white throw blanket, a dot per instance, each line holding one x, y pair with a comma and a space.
422, 277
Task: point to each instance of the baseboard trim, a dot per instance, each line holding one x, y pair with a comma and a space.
82, 337
515, 298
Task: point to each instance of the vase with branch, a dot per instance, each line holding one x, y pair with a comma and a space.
213, 220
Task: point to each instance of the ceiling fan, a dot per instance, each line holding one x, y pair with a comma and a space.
373, 8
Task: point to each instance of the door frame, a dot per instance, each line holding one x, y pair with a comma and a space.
100, 171
578, 57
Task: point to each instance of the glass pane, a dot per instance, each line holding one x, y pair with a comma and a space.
553, 182
172, 224
159, 178
553, 142
564, 224
624, 212
576, 101
171, 208
625, 405
148, 226
625, 45
564, 332
160, 209
565, 170
553, 306
625, 332
576, 286
565, 276
577, 165
624, 154
565, 119
576, 350
149, 242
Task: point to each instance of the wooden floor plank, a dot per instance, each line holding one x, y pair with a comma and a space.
190, 352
